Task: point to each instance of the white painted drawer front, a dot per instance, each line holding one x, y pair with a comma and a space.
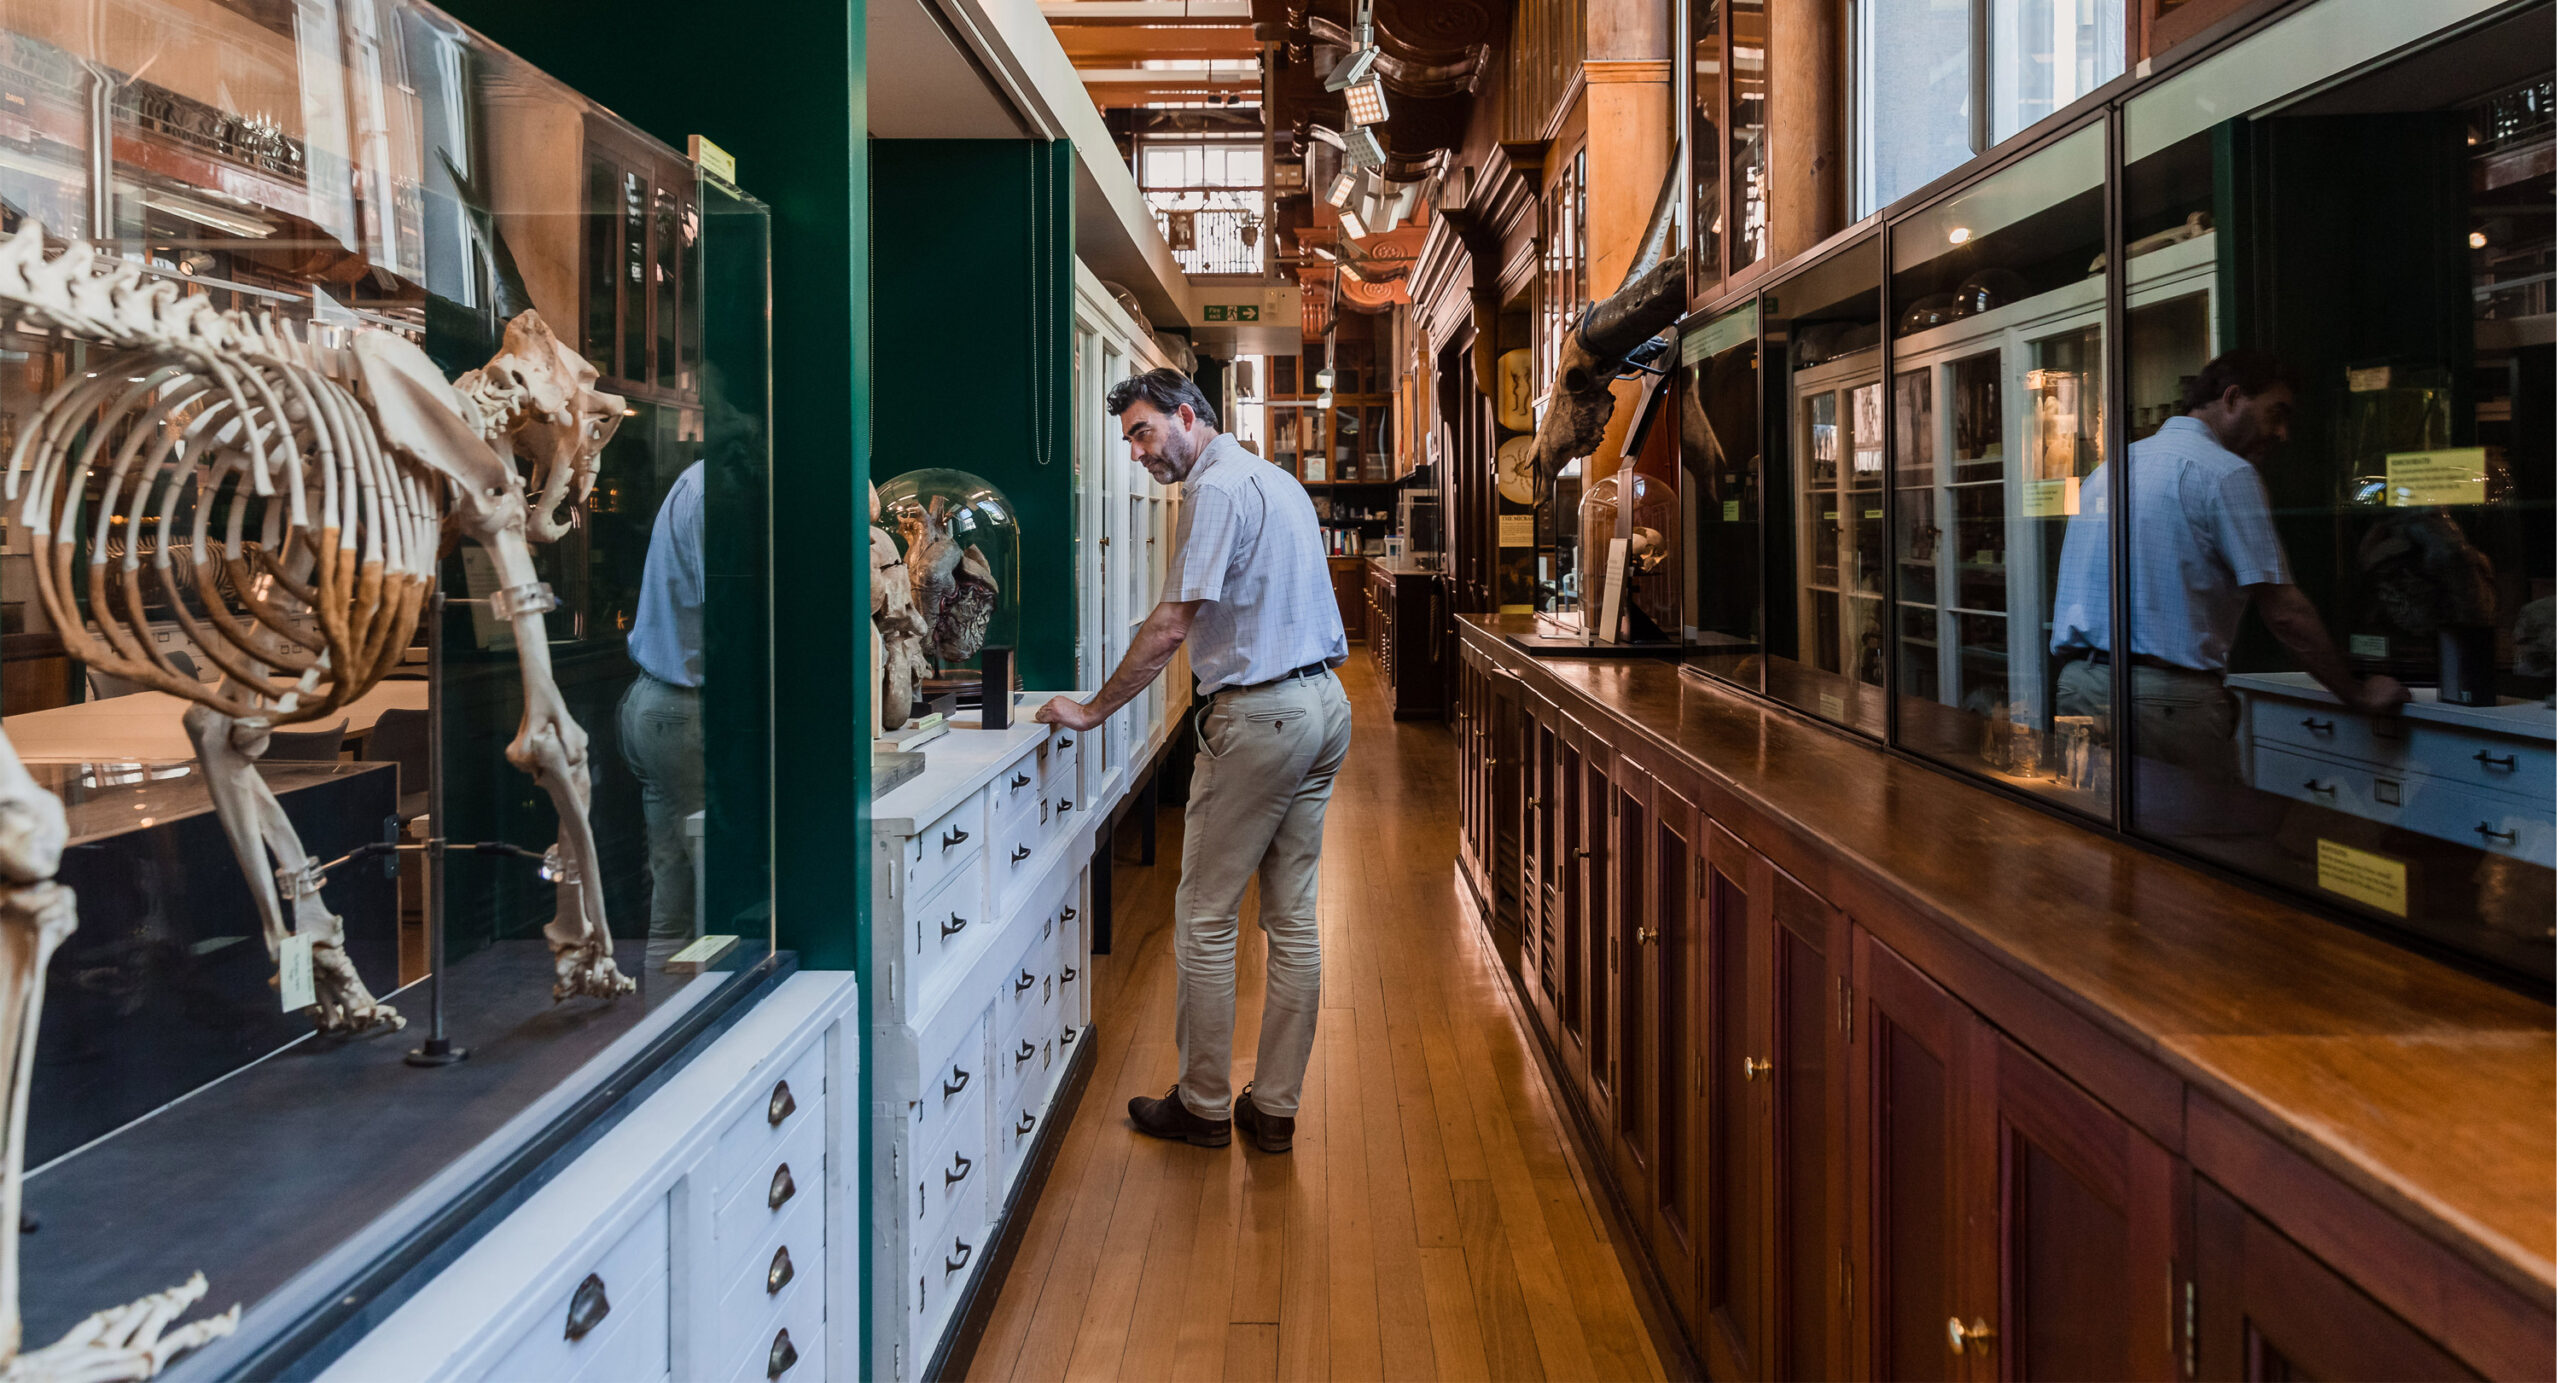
787, 1349
2492, 821
948, 1186
1013, 865
952, 1088
941, 849
791, 1102
788, 1264
1017, 788
1024, 986
947, 923
631, 1280
773, 1186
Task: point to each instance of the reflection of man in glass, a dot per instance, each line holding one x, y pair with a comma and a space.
661, 718
2204, 548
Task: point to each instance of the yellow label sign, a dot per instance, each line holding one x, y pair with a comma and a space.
1733, 511
716, 161
2377, 881
1516, 530
2369, 381
2418, 478
2052, 499
1833, 708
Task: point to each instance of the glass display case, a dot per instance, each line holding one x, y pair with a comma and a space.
963, 547
505, 782
1717, 393
1825, 488
1999, 393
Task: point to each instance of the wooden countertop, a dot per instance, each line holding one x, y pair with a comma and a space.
2429, 1090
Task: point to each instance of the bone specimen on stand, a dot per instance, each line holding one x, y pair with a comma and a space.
299, 487
898, 629
955, 587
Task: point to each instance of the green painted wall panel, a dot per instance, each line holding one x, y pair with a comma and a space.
974, 284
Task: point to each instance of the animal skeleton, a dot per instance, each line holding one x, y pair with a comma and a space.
898, 628
955, 587
336, 468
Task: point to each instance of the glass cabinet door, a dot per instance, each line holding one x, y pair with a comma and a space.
2000, 424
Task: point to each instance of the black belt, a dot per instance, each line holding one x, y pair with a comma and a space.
2099, 656
1294, 674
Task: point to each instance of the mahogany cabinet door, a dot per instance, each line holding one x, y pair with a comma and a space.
1910, 1053
1537, 864
1739, 1286
2085, 1281
1472, 774
1806, 987
1507, 746
1675, 988
2267, 1310
1602, 909
1638, 1059
1573, 903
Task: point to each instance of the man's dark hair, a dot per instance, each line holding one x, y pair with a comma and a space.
2251, 372
1164, 390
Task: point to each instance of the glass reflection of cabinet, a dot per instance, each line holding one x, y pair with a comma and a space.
1839, 420
2000, 433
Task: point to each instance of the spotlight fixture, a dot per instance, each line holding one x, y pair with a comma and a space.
1959, 235
1353, 226
1323, 252
1325, 399
2479, 240
1367, 101
1339, 195
1354, 69
1361, 146
1324, 381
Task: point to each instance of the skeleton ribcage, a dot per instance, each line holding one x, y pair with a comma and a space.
247, 499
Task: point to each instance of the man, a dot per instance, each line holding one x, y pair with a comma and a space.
2205, 548
661, 714
1250, 592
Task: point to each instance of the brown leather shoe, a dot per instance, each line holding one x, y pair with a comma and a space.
1171, 1118
1270, 1132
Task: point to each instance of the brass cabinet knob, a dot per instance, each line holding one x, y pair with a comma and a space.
1976, 1336
1754, 1070
779, 1359
1646, 936
778, 1273
587, 1308
781, 1190
780, 1106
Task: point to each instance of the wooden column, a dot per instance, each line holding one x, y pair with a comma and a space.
1808, 139
1627, 95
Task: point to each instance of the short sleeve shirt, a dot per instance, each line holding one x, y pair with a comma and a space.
1249, 545
2202, 534
666, 634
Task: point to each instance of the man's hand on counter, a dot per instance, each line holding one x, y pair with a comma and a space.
2379, 696
1069, 712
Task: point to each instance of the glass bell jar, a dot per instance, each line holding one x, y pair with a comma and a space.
1645, 509
963, 547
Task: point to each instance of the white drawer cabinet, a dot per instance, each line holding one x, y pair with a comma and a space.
971, 928
660, 1251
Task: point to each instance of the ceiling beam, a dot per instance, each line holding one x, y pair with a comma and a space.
1208, 12
1120, 44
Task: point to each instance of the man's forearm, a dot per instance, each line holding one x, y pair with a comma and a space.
2290, 617
1149, 651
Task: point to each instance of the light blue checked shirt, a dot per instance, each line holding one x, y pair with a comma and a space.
1249, 545
666, 634
2202, 535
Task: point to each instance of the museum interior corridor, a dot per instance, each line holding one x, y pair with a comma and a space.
1433, 1220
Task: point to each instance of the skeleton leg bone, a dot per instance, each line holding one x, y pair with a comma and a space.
270, 853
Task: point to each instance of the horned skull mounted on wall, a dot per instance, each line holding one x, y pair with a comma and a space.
1616, 337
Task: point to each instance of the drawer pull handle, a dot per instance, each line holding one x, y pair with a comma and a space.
2505, 763
779, 1273
1067, 975
2317, 727
1066, 914
952, 928
959, 1170
1976, 1337
957, 835
1021, 853
1020, 781
1028, 1051
2313, 785
782, 1190
1066, 805
959, 1081
1024, 983
1754, 1069
1066, 741
953, 1265
781, 1106
587, 1308
1025, 1125
1066, 1037
2502, 837
783, 1356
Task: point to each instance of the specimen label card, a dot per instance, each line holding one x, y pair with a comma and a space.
2374, 880
293, 974
2421, 478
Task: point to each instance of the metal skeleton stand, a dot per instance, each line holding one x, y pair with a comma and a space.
438, 1048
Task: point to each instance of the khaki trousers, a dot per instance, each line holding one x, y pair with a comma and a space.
1267, 762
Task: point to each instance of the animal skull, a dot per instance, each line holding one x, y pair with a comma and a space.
541, 396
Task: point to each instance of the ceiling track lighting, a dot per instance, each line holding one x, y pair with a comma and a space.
1366, 101
1353, 226
1339, 195
1361, 146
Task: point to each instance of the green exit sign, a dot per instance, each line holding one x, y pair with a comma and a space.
1236, 312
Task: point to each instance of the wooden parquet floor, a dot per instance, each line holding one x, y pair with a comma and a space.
1432, 1222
